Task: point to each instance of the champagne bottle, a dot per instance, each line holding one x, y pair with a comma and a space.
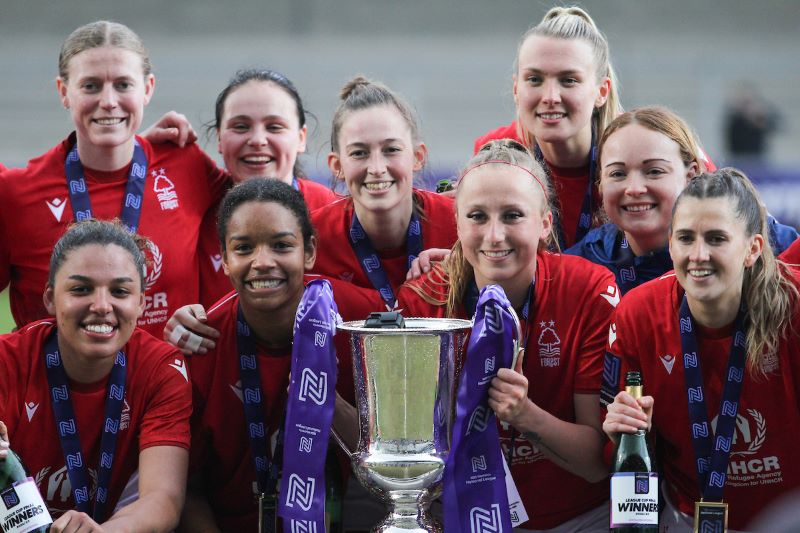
634, 481
22, 509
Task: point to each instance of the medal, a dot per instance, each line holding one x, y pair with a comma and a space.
267, 515
711, 517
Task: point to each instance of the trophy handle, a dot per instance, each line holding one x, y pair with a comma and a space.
343, 445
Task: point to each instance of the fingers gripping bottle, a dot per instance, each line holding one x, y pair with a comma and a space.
634, 481
22, 509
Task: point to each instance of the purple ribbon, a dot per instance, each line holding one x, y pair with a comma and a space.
309, 414
475, 497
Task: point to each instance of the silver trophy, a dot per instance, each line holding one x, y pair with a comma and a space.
405, 382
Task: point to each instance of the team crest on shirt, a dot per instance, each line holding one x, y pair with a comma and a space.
56, 206
125, 416
347, 276
549, 345
165, 190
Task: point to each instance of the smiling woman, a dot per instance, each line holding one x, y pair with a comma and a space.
91, 358
551, 431
103, 170
372, 236
268, 244
566, 93
732, 309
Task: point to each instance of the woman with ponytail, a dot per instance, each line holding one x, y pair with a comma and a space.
728, 295
550, 431
565, 92
371, 237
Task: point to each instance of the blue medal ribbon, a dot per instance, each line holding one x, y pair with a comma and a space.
474, 479
309, 410
712, 449
370, 261
134, 190
64, 414
267, 469
295, 183
585, 220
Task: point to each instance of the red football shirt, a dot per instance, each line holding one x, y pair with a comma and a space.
763, 462
35, 210
792, 253
337, 259
220, 443
156, 411
566, 335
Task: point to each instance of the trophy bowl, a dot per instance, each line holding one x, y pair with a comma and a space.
405, 381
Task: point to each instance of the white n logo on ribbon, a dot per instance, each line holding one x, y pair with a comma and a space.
485, 521
479, 420
300, 492
313, 387
304, 526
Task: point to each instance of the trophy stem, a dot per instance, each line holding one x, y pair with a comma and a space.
409, 512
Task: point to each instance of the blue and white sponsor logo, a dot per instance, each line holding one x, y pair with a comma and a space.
252, 395
372, 263
60, 394
66, 427
116, 392
133, 200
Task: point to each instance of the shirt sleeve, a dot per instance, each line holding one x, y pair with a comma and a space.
166, 418
603, 297
218, 180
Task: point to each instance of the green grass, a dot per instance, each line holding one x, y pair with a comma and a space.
6, 322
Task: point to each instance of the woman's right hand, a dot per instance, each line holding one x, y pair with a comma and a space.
628, 415
5, 444
186, 329
424, 262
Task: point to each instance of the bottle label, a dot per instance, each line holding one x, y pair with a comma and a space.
22, 509
634, 499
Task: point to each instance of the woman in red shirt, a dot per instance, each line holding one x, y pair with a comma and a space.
566, 93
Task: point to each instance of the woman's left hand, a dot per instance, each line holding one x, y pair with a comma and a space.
508, 394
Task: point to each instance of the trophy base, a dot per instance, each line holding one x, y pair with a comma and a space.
410, 512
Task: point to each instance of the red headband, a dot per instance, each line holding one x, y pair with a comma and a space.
499, 162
